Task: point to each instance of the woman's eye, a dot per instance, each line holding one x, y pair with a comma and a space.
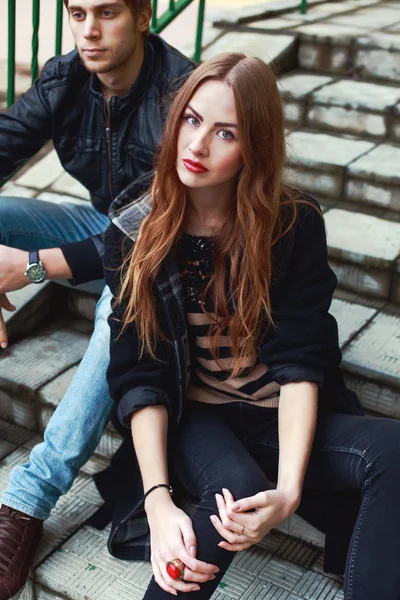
192, 120
225, 135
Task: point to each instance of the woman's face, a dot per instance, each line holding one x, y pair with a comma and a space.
208, 144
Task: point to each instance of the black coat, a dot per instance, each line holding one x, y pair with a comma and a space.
303, 346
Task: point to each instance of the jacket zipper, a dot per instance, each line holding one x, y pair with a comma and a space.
177, 358
108, 138
180, 380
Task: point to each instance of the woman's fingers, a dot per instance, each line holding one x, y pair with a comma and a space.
235, 547
247, 537
198, 566
260, 500
189, 538
173, 586
194, 577
235, 522
228, 523
160, 579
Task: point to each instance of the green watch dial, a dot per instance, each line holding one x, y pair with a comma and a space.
36, 273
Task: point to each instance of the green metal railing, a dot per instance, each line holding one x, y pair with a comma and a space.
158, 23
174, 9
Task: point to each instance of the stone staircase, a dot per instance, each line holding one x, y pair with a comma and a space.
340, 85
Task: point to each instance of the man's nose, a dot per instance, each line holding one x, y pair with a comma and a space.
91, 29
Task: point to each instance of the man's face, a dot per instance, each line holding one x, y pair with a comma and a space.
105, 33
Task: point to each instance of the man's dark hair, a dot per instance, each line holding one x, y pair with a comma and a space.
134, 5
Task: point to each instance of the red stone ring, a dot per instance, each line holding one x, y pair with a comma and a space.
175, 569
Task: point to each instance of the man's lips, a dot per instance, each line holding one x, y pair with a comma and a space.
93, 51
193, 166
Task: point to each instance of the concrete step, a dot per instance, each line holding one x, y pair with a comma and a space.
353, 48
33, 306
363, 251
372, 363
279, 567
345, 169
374, 178
291, 21
28, 365
281, 49
370, 343
36, 372
328, 103
317, 162
286, 9
81, 305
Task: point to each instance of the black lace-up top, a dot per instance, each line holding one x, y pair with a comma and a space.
210, 381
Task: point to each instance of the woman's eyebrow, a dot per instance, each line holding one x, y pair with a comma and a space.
195, 112
217, 124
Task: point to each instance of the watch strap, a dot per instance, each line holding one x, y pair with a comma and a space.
33, 257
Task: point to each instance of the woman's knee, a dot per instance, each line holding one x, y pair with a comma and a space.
384, 443
241, 481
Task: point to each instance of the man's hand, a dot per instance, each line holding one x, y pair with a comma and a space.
12, 269
6, 305
13, 265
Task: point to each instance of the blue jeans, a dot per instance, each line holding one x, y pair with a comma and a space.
76, 426
236, 446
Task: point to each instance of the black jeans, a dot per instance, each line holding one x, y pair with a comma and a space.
236, 446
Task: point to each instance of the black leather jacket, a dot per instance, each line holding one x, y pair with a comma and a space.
103, 145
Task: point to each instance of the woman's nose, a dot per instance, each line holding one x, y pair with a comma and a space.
199, 146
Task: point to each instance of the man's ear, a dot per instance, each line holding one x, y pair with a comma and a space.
143, 22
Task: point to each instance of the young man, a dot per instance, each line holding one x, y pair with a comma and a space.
102, 106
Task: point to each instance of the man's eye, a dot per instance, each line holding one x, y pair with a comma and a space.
108, 13
78, 15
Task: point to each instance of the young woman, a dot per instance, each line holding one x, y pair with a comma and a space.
224, 358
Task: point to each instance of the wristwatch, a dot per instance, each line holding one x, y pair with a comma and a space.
35, 271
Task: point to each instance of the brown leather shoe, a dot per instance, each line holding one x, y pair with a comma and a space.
19, 537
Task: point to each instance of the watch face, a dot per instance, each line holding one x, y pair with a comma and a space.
36, 273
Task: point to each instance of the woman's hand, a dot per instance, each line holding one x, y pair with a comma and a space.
5, 304
242, 529
172, 536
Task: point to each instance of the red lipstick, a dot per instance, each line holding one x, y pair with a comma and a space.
194, 166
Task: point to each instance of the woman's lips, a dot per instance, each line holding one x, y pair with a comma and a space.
194, 167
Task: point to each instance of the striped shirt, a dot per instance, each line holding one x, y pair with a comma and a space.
211, 382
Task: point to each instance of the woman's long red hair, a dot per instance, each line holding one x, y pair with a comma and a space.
255, 222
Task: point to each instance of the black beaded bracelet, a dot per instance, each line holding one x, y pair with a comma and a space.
165, 485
